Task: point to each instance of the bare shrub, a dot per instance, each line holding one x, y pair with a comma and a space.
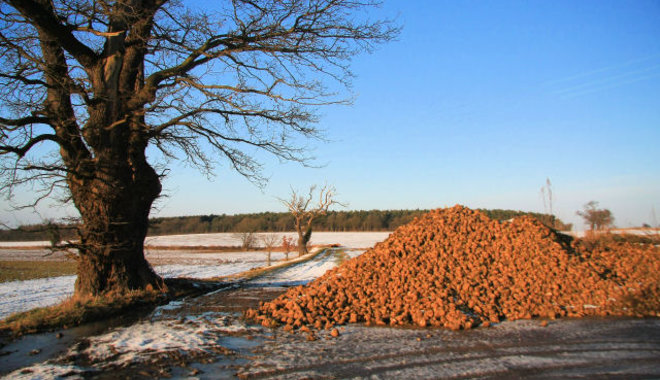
270, 242
287, 245
248, 239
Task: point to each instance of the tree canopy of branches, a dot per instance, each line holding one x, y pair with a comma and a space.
304, 211
596, 218
90, 89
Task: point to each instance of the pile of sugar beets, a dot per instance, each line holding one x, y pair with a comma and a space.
457, 268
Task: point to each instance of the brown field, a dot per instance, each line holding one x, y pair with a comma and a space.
30, 270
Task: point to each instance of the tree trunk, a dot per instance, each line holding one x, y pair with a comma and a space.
302, 245
303, 238
112, 236
114, 196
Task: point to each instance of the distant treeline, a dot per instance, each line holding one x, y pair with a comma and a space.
373, 220
337, 221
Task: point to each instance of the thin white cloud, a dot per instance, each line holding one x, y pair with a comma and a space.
605, 78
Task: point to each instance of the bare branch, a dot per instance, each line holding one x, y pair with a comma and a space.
25, 121
41, 14
21, 151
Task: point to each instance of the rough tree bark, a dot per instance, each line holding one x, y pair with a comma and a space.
114, 205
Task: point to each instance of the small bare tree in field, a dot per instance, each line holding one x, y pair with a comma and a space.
269, 241
304, 212
596, 218
287, 245
247, 239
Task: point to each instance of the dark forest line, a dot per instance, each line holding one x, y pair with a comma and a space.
334, 221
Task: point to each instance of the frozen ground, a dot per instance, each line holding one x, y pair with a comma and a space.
205, 338
190, 333
588, 348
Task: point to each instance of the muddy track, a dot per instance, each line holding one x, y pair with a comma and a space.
622, 348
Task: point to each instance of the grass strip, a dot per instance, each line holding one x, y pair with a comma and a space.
30, 270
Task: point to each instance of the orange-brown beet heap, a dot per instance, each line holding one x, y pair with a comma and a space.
457, 268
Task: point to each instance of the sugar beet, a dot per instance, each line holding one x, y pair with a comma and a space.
458, 269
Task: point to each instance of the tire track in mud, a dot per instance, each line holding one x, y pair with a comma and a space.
511, 361
617, 348
485, 363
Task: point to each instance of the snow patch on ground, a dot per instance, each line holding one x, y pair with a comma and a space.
25, 244
46, 371
141, 342
205, 271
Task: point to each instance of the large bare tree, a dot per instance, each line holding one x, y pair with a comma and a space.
89, 89
305, 210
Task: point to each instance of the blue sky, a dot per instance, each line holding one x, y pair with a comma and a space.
477, 103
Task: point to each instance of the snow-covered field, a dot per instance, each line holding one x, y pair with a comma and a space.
628, 231
11, 244
183, 257
347, 239
17, 296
